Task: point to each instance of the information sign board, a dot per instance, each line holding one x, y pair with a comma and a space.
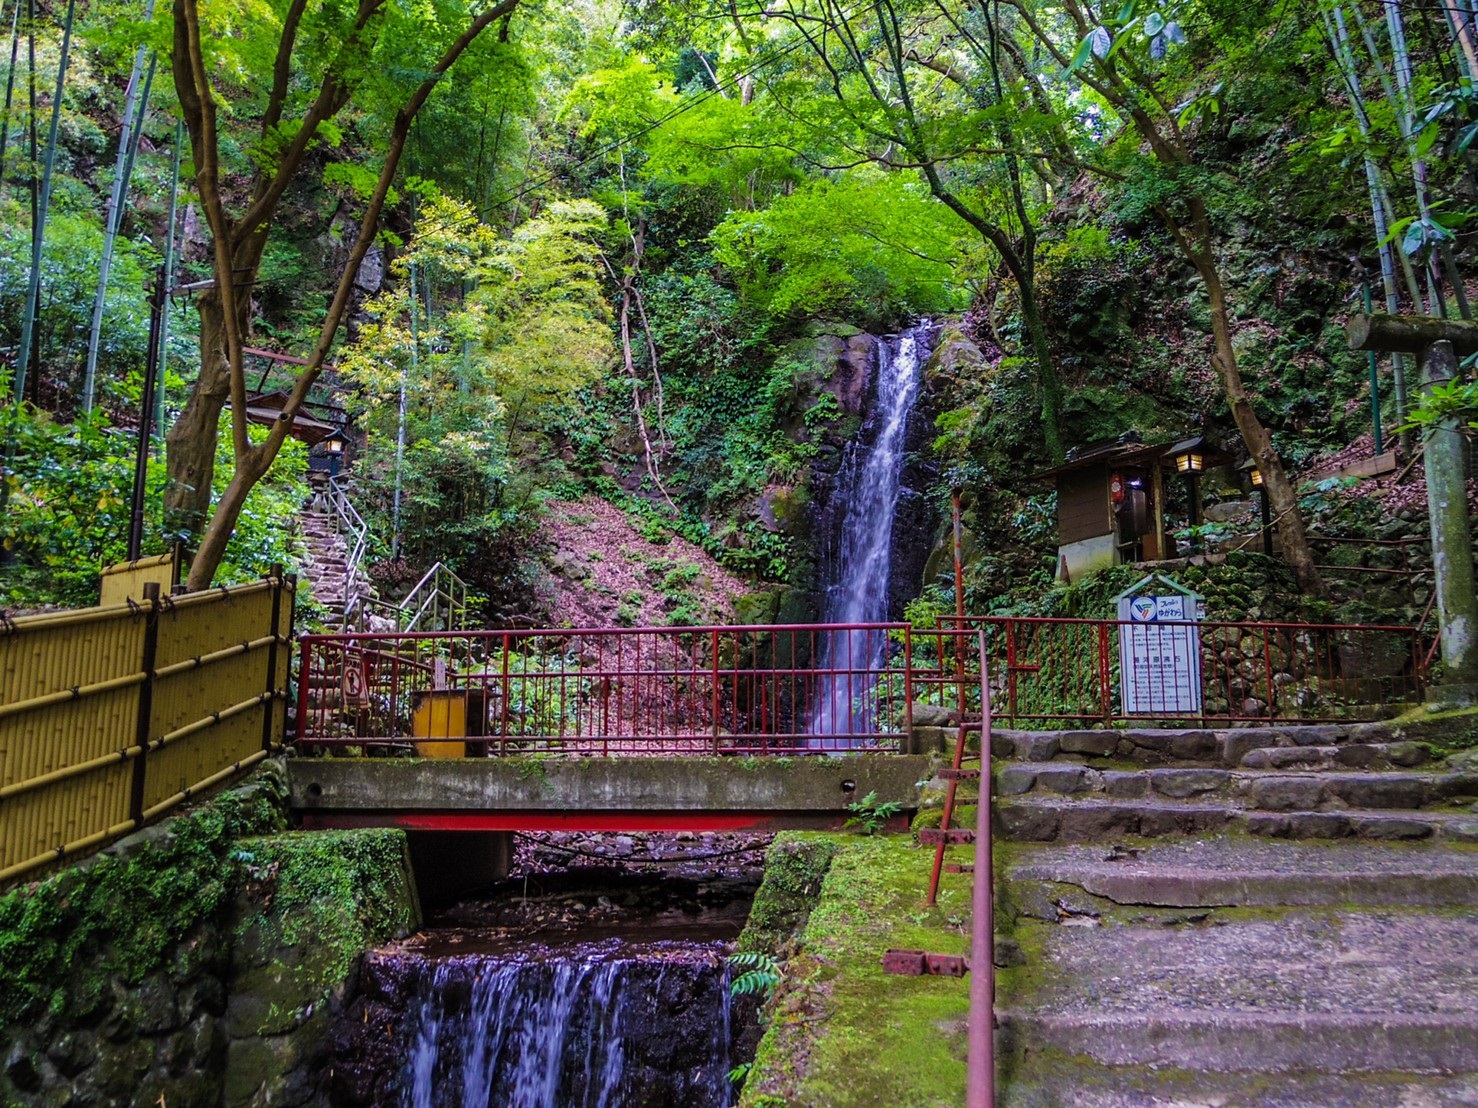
1159, 655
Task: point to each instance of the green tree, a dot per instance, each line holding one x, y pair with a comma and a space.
314, 65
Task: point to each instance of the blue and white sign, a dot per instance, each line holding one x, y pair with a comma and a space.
1159, 654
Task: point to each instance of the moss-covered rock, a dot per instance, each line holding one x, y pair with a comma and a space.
311, 904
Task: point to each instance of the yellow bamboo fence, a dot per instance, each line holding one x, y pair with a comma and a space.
111, 716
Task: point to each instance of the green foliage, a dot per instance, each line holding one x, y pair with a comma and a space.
69, 263
762, 972
869, 249
1456, 401
70, 504
871, 815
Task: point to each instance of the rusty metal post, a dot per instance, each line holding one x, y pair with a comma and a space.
981, 1063
146, 704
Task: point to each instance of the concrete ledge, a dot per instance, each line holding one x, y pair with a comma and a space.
489, 793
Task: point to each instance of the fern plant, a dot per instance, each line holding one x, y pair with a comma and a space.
761, 974
871, 815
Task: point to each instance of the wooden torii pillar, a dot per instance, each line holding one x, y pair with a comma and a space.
1439, 343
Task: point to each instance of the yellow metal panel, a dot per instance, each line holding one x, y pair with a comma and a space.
439, 713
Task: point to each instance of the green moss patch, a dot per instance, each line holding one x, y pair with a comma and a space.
314, 901
122, 912
843, 1033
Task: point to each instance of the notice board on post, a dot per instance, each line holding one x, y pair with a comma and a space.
1159, 649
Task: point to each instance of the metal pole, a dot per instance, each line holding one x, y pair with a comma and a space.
981, 1063
400, 427
146, 414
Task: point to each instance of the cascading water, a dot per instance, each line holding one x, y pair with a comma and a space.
595, 1025
859, 564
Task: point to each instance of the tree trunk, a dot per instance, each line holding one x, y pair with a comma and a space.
190, 445
1281, 494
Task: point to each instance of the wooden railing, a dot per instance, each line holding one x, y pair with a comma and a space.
111, 716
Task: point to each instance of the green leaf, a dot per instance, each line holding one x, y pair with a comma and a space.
1126, 11
1154, 23
1082, 54
1426, 139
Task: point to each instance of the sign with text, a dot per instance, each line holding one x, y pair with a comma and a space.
1159, 655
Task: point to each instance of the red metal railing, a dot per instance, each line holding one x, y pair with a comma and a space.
1066, 672
726, 690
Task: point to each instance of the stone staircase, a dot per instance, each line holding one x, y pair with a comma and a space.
1259, 916
326, 565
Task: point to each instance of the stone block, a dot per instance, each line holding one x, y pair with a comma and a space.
1236, 745
1318, 825
1193, 745
1286, 794
1029, 823
1119, 783
1378, 790
1101, 743
1285, 757
1463, 831
1393, 829
1062, 779
1014, 780
1408, 754
1182, 783
1038, 748
1090, 822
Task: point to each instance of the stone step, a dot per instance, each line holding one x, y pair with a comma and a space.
1091, 818
1269, 790
1209, 747
1155, 1087
1211, 1044
1344, 990
1242, 873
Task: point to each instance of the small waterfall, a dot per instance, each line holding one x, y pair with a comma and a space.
608, 1024
859, 565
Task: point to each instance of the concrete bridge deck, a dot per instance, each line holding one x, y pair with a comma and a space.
599, 794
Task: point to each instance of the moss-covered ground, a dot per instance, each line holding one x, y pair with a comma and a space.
843, 1034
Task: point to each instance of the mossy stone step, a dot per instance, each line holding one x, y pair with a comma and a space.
1093, 818
1249, 788
1243, 872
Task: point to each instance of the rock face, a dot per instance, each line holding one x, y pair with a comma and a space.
595, 1023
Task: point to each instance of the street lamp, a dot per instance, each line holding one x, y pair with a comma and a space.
1255, 476
1192, 463
334, 446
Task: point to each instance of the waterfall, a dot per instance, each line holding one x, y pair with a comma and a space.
858, 566
609, 1024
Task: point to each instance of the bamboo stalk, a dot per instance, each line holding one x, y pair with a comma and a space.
38, 227
113, 213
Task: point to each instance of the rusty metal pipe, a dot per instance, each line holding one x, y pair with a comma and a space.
980, 1074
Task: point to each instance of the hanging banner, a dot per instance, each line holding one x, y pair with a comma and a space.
1160, 655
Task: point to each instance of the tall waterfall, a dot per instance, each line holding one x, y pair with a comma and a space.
859, 564
599, 1025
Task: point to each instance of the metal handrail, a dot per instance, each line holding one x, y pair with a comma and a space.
437, 602
348, 520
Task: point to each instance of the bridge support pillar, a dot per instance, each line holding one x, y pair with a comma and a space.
452, 864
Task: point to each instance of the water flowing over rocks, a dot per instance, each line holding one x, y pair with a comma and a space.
860, 527
607, 1024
